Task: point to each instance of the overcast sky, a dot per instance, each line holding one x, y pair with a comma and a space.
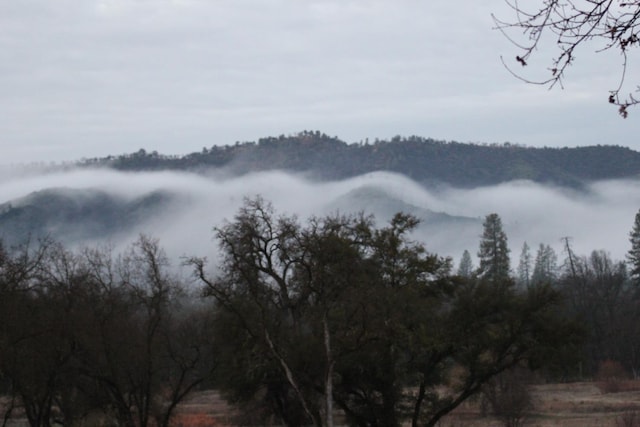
86, 78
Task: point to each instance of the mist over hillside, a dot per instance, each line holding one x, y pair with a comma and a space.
87, 206
75, 215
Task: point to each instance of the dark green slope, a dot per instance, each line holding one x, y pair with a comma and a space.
422, 159
368, 199
72, 215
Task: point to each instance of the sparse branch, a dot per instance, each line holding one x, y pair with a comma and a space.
609, 24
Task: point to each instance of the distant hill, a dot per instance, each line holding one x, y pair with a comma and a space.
72, 215
385, 205
424, 160
84, 216
180, 208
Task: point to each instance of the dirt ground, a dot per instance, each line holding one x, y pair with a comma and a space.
580, 404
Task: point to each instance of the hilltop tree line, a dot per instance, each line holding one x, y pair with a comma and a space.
425, 160
298, 321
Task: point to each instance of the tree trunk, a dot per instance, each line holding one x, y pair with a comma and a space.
289, 374
328, 380
418, 405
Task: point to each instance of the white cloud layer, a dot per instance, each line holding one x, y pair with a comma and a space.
85, 78
598, 218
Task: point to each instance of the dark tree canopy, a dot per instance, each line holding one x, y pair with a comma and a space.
571, 24
87, 334
337, 311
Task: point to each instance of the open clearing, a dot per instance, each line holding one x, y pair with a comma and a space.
580, 404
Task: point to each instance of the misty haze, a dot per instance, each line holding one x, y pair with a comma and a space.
181, 209
189, 206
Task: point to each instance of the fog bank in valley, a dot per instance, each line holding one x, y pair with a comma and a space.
598, 217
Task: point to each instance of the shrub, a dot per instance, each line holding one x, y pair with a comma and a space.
629, 419
508, 397
610, 376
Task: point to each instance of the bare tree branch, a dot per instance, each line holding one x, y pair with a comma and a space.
607, 24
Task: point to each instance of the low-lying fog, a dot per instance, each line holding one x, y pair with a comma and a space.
599, 217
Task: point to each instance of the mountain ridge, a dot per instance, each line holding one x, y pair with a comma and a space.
425, 160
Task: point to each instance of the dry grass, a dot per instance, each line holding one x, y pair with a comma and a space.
203, 409
567, 405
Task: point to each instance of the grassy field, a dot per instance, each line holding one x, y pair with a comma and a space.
572, 405
581, 404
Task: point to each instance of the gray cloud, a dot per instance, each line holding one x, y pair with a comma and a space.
84, 78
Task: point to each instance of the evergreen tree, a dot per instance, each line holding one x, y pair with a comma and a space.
546, 265
524, 266
633, 256
465, 269
494, 251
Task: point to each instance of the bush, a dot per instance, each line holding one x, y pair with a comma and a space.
508, 397
611, 376
629, 419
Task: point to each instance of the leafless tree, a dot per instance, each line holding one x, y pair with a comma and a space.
87, 334
603, 24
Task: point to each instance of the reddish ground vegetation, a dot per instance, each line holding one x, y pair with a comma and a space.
568, 405
194, 420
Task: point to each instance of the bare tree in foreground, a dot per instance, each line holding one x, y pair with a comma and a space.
604, 24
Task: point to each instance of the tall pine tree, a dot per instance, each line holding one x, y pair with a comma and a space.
465, 269
524, 266
546, 265
633, 256
494, 252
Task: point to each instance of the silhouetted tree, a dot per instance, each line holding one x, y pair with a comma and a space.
258, 288
598, 292
633, 256
494, 251
149, 353
33, 351
545, 267
465, 268
337, 311
524, 266
86, 333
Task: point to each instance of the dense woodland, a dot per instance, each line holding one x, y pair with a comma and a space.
423, 159
297, 321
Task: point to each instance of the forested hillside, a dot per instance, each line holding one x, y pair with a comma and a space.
73, 215
423, 159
